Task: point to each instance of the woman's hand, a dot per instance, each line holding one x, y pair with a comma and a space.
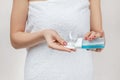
93, 35
54, 40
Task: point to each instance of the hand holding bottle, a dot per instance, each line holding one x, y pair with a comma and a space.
92, 35
91, 41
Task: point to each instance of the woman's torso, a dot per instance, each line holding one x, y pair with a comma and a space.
43, 63
61, 15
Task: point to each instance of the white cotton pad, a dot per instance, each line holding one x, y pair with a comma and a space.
70, 45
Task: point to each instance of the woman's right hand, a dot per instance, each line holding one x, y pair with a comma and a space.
54, 40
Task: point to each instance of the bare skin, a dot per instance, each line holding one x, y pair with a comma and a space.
96, 22
21, 39
37, 0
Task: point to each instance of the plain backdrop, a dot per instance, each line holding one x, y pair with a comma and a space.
106, 64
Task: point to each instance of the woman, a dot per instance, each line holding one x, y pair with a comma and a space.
42, 26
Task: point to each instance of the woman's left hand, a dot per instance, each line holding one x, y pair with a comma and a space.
93, 35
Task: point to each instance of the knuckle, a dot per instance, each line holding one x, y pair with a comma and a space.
88, 33
92, 31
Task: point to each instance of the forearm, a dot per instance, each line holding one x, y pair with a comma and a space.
24, 39
95, 16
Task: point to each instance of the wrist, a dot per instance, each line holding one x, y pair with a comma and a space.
43, 32
99, 30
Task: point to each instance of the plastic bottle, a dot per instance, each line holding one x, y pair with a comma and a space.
80, 42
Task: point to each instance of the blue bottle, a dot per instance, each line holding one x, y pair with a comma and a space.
85, 44
80, 42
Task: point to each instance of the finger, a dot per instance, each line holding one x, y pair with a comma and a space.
93, 49
102, 33
99, 35
87, 35
59, 47
60, 40
98, 50
92, 35
62, 48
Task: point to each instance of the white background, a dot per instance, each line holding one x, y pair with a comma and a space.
106, 64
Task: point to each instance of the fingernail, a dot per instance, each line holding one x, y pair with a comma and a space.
65, 43
85, 38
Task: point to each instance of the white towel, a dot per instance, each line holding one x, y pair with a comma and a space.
43, 63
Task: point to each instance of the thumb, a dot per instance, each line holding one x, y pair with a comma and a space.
60, 40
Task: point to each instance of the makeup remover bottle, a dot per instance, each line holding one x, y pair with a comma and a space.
85, 44
80, 42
